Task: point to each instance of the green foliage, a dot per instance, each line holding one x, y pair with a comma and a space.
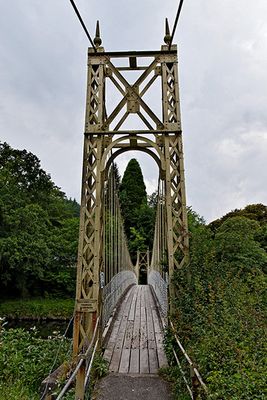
16, 391
256, 212
25, 360
99, 370
235, 243
99, 367
139, 217
220, 307
37, 309
38, 229
136, 242
132, 190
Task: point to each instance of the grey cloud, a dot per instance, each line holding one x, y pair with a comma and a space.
222, 65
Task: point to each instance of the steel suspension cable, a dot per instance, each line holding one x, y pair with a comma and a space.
112, 225
104, 232
110, 230
117, 231
83, 24
176, 21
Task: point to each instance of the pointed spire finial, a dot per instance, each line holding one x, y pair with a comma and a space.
97, 39
167, 37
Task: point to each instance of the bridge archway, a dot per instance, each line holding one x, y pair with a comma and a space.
147, 161
135, 143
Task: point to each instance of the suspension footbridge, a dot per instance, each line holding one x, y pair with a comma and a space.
112, 310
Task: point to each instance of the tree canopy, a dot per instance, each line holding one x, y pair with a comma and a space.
38, 228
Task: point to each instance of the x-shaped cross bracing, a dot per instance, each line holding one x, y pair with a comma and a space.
132, 96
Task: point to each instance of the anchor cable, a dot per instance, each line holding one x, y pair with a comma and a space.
176, 21
83, 24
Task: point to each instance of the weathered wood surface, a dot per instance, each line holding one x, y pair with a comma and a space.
135, 345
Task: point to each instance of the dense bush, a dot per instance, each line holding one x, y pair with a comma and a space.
25, 360
220, 308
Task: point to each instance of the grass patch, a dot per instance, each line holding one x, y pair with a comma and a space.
37, 309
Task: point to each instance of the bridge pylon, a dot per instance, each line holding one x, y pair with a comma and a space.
132, 75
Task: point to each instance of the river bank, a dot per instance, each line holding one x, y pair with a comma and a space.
37, 309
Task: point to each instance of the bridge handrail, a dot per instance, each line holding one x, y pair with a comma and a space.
195, 375
84, 358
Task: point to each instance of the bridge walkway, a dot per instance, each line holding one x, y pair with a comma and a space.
135, 345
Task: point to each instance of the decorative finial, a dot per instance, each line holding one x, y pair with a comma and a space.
167, 37
97, 39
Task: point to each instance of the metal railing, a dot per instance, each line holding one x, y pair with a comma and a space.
160, 287
197, 385
85, 360
114, 290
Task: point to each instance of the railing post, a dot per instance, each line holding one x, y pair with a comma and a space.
195, 383
79, 391
137, 266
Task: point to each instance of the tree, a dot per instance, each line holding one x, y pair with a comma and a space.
132, 195
24, 252
38, 228
139, 217
255, 212
235, 244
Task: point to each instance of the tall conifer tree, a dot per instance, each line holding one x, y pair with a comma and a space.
139, 217
132, 195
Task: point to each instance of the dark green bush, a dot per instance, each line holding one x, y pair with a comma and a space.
220, 308
25, 360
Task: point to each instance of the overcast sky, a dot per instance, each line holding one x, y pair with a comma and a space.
223, 88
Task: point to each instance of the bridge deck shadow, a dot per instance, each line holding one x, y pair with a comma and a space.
135, 345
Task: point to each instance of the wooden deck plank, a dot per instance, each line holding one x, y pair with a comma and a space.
134, 361
144, 367
115, 360
125, 361
118, 344
133, 306
128, 335
137, 321
116, 326
153, 361
150, 323
136, 342
143, 327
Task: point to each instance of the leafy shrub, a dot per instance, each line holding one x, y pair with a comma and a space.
25, 360
220, 307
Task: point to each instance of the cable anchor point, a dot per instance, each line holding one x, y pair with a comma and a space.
97, 39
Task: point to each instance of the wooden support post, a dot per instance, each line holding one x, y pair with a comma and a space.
79, 390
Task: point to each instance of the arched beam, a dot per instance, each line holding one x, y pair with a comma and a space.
158, 156
123, 150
